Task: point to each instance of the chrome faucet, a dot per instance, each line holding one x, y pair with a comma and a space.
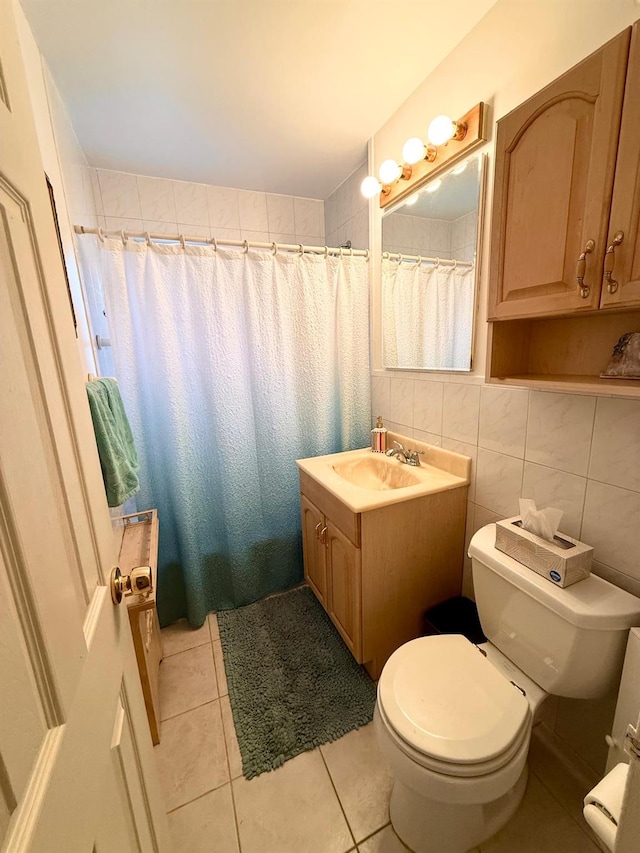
402, 454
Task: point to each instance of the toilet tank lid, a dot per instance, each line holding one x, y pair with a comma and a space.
591, 603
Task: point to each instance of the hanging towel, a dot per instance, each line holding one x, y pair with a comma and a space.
118, 457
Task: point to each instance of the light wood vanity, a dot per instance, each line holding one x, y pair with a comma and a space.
565, 242
376, 560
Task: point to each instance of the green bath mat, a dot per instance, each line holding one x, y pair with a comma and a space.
293, 684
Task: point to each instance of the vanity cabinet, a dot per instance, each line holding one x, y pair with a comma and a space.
376, 572
565, 236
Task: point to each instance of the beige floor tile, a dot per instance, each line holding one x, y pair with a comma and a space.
291, 809
540, 825
233, 750
362, 779
187, 679
180, 636
220, 670
213, 627
191, 755
384, 841
207, 825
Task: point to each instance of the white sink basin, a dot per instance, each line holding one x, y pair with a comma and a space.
377, 473
364, 480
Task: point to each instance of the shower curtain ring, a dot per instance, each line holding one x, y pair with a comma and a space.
455, 265
245, 246
326, 251
274, 249
123, 237
101, 235
214, 243
147, 237
350, 252
400, 257
182, 242
419, 260
366, 254
437, 262
340, 250
300, 248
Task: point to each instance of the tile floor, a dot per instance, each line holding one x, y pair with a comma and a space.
331, 800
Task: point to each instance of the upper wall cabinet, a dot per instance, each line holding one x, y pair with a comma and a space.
555, 166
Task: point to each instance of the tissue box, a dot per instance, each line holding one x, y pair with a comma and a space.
564, 561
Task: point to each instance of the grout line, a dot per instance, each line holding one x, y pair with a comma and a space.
337, 796
199, 797
182, 651
188, 710
562, 805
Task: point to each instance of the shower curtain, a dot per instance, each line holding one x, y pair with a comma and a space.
428, 315
231, 366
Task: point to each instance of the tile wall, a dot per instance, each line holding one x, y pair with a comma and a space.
435, 238
346, 213
141, 203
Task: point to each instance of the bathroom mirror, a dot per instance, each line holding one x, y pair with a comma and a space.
429, 268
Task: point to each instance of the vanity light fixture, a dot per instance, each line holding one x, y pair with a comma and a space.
449, 140
443, 128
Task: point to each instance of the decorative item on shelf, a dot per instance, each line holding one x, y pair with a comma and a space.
449, 139
625, 359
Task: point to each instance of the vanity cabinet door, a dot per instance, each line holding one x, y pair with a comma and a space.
621, 285
555, 160
314, 550
345, 592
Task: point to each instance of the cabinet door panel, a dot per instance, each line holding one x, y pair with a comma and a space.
345, 595
625, 207
555, 157
314, 551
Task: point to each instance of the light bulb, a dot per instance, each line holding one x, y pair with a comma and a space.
441, 130
370, 187
459, 169
412, 200
414, 150
389, 171
433, 186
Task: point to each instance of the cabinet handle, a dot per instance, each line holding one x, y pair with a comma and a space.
609, 261
318, 526
323, 535
581, 268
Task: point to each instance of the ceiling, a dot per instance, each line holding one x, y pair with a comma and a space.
258, 94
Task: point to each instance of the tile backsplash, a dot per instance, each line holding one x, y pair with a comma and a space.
346, 213
578, 453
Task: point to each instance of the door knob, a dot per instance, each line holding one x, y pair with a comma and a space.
139, 582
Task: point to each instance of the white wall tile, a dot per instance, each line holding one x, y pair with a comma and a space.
116, 223
309, 216
256, 236
469, 450
611, 525
226, 233
224, 211
498, 482
330, 214
380, 396
253, 211
282, 238
202, 231
97, 192
559, 430
615, 451
428, 437
191, 203
310, 239
503, 419
401, 401
119, 193
154, 226
280, 214
483, 516
549, 487
460, 412
427, 406
156, 199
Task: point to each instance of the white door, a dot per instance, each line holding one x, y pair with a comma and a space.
77, 771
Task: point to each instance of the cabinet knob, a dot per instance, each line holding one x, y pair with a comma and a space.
318, 526
581, 268
609, 262
323, 535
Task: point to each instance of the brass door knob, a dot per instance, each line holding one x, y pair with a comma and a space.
139, 582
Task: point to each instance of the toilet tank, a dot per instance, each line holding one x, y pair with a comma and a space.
570, 641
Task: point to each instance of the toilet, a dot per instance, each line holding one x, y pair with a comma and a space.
454, 720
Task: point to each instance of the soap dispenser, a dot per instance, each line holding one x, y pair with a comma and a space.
379, 437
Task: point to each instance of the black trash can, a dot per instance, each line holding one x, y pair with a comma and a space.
457, 615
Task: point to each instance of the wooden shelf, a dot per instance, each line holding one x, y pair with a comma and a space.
561, 353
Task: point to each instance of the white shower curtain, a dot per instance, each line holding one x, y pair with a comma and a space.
428, 315
232, 365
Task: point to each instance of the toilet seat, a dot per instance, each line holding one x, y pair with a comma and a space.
449, 709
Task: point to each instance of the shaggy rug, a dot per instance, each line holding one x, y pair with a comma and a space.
293, 684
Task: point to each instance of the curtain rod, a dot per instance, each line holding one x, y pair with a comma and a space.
397, 256
212, 241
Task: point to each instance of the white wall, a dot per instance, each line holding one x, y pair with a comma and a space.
580, 453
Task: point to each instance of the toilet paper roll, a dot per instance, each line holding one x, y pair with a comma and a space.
603, 804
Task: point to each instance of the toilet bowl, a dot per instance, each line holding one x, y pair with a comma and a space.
454, 720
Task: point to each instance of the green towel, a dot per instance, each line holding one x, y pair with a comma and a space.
116, 449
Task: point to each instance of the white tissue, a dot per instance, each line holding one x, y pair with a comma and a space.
603, 804
541, 522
